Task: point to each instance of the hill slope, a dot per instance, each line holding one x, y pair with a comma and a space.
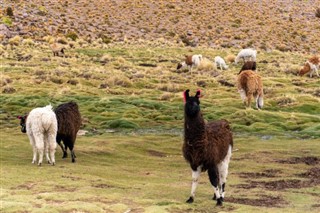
266, 24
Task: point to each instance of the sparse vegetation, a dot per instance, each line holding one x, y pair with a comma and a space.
6, 20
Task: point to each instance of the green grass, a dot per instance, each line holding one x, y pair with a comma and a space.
116, 172
131, 157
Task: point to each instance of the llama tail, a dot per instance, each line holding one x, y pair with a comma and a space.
260, 102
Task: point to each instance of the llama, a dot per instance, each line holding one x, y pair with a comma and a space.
246, 54
41, 127
220, 63
248, 65
249, 84
57, 49
190, 61
311, 66
69, 122
207, 146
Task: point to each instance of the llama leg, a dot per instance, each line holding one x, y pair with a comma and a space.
249, 97
214, 180
195, 179
40, 147
311, 73
73, 156
243, 96
259, 102
223, 171
34, 160
46, 148
63, 148
52, 147
34, 148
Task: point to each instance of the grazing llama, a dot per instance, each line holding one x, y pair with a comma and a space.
311, 65
41, 127
207, 146
69, 122
190, 62
249, 84
248, 65
246, 55
220, 63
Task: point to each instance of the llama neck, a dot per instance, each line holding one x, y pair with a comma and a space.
194, 129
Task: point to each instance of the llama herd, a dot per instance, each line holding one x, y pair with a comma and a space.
249, 83
207, 146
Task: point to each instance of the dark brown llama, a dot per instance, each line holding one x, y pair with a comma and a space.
69, 122
207, 146
248, 65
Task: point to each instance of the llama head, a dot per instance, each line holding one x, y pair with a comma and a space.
23, 123
179, 66
192, 104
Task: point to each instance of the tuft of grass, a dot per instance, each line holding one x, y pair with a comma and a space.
206, 65
16, 40
7, 21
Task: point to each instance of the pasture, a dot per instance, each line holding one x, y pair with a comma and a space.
130, 159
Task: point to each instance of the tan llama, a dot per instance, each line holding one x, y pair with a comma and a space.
249, 85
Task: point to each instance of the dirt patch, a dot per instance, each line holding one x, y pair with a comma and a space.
313, 174
156, 153
27, 186
310, 160
275, 185
106, 186
269, 173
263, 200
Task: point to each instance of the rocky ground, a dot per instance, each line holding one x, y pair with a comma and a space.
286, 25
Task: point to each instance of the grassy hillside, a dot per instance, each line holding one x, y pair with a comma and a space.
137, 87
130, 97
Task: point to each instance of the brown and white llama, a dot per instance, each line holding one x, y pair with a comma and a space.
249, 84
311, 65
206, 147
248, 65
190, 62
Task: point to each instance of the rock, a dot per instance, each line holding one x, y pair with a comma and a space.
4, 30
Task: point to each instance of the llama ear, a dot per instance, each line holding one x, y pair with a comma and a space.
19, 117
198, 94
186, 96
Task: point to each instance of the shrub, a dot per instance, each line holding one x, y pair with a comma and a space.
72, 35
230, 58
106, 39
62, 41
318, 13
9, 11
28, 42
15, 40
206, 65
